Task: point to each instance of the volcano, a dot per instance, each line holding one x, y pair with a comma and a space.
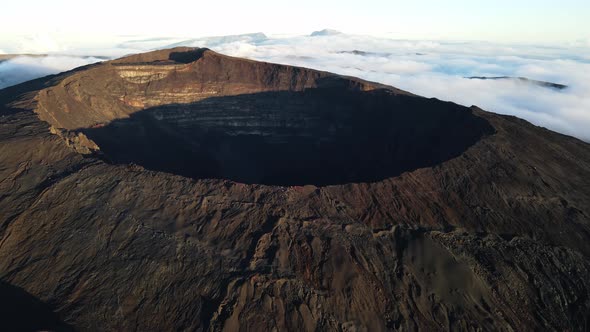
183, 189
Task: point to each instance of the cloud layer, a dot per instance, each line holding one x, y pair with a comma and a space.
439, 69
23, 68
428, 68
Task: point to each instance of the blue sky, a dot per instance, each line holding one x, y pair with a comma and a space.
540, 21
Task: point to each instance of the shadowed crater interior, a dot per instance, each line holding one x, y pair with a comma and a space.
318, 136
187, 56
20, 311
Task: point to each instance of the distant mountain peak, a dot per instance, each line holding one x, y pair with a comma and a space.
326, 32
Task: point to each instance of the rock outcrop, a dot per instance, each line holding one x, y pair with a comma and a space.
186, 190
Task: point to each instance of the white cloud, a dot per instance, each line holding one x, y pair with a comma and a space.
24, 68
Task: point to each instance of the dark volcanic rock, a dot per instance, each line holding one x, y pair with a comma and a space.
160, 192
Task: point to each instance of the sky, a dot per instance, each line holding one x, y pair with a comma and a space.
546, 21
425, 47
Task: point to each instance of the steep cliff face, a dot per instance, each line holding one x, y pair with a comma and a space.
182, 189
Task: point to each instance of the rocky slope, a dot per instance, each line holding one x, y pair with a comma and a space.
186, 190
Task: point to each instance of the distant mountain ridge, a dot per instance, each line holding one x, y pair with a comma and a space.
257, 37
326, 32
521, 79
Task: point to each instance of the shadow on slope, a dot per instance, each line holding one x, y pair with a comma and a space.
317, 136
21, 311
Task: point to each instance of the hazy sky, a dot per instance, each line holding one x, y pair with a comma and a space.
535, 21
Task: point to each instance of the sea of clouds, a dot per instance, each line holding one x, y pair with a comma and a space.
428, 68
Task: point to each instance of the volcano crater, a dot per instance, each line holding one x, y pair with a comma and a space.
318, 136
